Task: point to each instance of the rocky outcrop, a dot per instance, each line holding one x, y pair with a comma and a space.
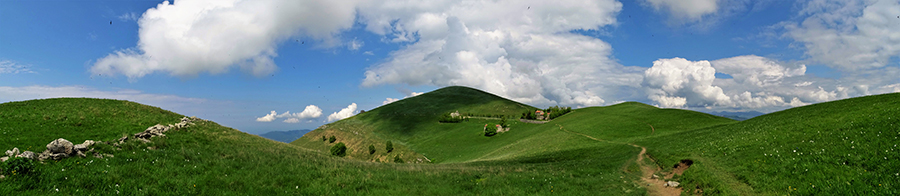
13, 152
62, 148
27, 155
672, 184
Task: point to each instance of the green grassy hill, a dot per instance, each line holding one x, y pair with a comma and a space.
845, 147
410, 122
209, 159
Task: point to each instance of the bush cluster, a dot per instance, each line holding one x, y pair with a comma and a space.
490, 131
446, 118
332, 139
339, 149
549, 113
17, 166
389, 146
397, 159
371, 149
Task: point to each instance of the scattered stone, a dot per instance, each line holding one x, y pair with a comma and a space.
672, 184
60, 146
85, 145
58, 156
2, 176
27, 155
13, 152
44, 155
654, 177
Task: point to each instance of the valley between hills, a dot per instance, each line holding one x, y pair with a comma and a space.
409, 147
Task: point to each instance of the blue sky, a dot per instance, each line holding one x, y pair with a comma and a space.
235, 62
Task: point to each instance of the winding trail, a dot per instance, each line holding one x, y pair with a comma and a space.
655, 186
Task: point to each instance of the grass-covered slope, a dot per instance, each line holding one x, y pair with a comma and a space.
412, 119
209, 159
628, 121
845, 147
30, 125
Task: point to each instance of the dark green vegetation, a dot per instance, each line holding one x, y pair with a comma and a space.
845, 147
548, 114
339, 149
285, 136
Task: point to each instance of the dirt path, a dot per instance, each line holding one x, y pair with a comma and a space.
655, 186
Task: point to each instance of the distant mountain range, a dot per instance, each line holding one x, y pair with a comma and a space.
285, 136
741, 116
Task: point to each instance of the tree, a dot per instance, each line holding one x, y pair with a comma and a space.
490, 131
323, 138
371, 149
397, 159
339, 149
389, 146
503, 122
332, 139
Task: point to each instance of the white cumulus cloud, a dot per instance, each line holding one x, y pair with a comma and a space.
676, 82
185, 38
268, 117
344, 113
756, 83
503, 47
848, 34
310, 112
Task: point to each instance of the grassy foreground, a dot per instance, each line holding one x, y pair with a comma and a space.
214, 160
845, 147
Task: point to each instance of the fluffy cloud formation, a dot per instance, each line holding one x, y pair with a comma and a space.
674, 82
186, 38
344, 113
690, 10
503, 47
310, 112
756, 82
268, 117
10, 67
849, 35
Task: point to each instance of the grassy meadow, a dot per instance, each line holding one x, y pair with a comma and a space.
210, 159
845, 147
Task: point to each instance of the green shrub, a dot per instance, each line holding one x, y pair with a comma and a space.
339, 149
397, 159
17, 166
323, 138
332, 139
371, 149
446, 118
389, 146
490, 131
